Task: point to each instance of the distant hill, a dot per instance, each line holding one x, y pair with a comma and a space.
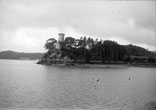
19, 55
139, 51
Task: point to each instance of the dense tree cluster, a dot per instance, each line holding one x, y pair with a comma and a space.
93, 50
86, 49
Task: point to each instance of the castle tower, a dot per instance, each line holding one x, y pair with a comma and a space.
61, 37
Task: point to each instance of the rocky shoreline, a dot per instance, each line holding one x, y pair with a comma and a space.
95, 64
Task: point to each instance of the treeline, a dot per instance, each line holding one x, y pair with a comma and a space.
90, 50
19, 55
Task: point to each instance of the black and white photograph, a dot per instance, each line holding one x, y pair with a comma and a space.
77, 55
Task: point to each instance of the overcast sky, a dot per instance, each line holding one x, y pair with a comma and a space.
25, 25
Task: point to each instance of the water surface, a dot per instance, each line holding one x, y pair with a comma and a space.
26, 85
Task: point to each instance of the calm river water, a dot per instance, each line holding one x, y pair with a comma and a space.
26, 85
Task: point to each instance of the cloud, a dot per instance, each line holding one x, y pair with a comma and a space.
128, 21
32, 39
144, 14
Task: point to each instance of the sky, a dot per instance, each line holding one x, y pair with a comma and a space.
25, 25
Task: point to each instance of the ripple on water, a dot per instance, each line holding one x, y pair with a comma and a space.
27, 86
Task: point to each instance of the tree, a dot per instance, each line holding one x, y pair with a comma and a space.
88, 49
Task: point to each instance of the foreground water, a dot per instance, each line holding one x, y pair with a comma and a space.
26, 85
